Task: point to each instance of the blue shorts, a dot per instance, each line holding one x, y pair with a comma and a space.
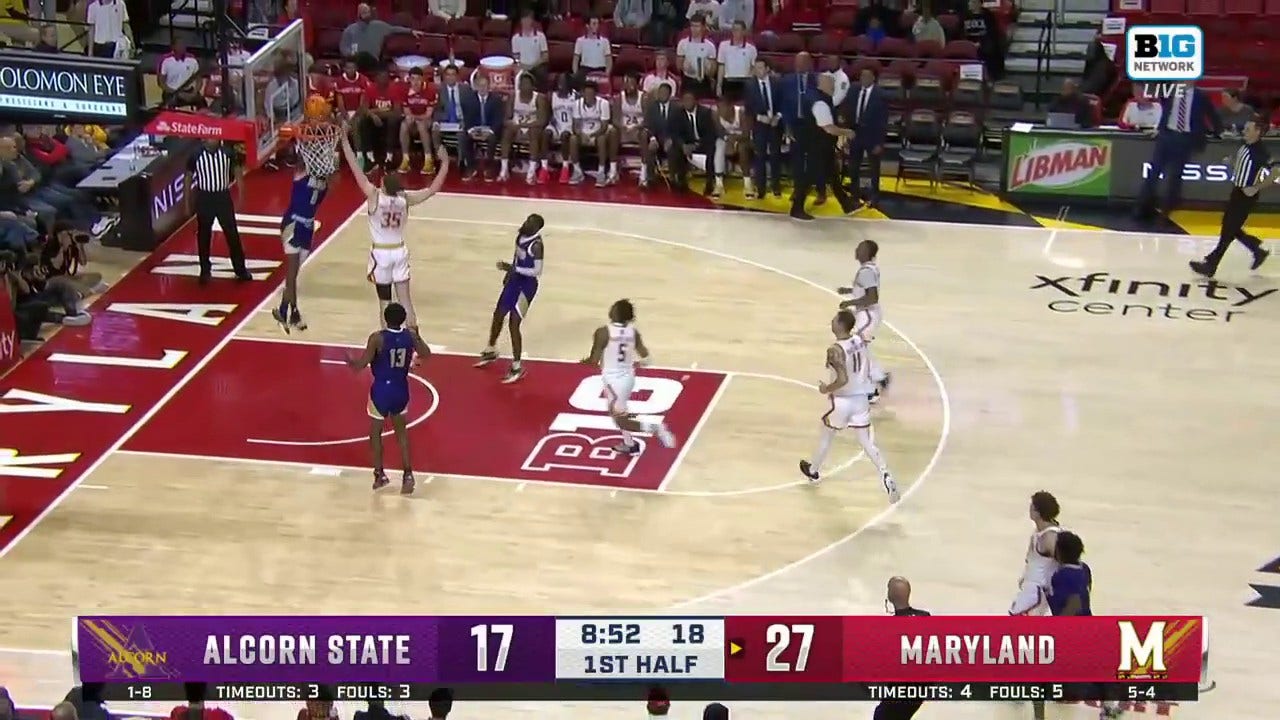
388, 399
517, 295
296, 235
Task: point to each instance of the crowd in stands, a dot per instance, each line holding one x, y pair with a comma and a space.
47, 225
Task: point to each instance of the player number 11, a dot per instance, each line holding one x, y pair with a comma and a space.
779, 637
482, 633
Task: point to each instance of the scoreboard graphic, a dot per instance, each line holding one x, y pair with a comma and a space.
982, 658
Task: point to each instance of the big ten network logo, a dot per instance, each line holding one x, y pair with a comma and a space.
583, 438
1164, 54
1100, 294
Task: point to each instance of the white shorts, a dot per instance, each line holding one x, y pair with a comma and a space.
1030, 600
388, 265
558, 130
848, 411
866, 323
617, 388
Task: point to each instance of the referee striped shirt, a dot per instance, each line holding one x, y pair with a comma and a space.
1250, 160
214, 170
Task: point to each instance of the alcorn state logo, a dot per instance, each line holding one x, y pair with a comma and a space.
1100, 294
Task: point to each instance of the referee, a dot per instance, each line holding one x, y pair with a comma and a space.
898, 598
1247, 179
215, 169
819, 137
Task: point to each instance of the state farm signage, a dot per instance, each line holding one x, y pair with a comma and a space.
204, 127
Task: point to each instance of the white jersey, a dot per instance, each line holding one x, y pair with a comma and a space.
632, 113
856, 367
1039, 568
562, 111
388, 215
522, 112
620, 353
590, 119
868, 317
731, 127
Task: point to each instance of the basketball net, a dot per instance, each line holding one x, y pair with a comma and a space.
318, 146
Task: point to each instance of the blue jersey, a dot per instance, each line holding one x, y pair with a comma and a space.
298, 225
1070, 580
519, 290
389, 393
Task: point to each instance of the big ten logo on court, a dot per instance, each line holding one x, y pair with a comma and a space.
1100, 294
1164, 53
583, 438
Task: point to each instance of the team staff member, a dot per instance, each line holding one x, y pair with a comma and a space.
1189, 118
898, 599
1247, 179
215, 168
868, 111
821, 134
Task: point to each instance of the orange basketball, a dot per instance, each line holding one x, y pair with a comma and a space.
317, 108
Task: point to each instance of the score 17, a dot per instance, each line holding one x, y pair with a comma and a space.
783, 649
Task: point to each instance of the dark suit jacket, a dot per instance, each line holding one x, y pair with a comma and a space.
870, 129
495, 110
442, 107
681, 129
755, 101
654, 122
1204, 117
791, 95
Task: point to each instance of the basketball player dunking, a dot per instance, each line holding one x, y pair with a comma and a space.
616, 348
519, 286
865, 302
388, 210
848, 391
389, 354
297, 229
1040, 563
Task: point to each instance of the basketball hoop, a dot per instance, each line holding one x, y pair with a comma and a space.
317, 145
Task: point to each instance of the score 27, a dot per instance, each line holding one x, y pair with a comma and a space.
783, 649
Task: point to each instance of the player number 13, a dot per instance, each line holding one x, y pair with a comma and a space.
482, 633
779, 637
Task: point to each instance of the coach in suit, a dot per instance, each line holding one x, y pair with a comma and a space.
483, 114
763, 96
1184, 129
658, 117
693, 127
797, 98
867, 110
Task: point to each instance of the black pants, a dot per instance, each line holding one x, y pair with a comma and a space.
212, 206
679, 163
897, 709
381, 141
700, 87
799, 158
1234, 217
104, 50
857, 151
820, 170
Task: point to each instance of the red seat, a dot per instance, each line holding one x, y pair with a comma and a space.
560, 56
630, 59
780, 62
1272, 7
928, 49
862, 45
435, 47
467, 50
950, 26
766, 42
960, 50
895, 48
1223, 27
432, 24
580, 8
494, 27
1175, 7
626, 36
465, 27
399, 44
841, 19
825, 44
1242, 7
1211, 8
905, 69
327, 41
499, 46
563, 30
403, 19
866, 63
790, 43
946, 71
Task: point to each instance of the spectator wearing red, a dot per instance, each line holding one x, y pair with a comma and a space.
419, 101
380, 120
195, 708
55, 157
349, 90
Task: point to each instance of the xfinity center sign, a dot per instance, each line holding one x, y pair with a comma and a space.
38, 87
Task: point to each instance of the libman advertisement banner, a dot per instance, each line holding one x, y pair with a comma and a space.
1058, 165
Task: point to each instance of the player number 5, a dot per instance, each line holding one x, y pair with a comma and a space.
779, 638
481, 633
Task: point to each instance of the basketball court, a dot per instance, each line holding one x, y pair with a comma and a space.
218, 466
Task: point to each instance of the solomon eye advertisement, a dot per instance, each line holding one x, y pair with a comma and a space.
36, 87
1108, 165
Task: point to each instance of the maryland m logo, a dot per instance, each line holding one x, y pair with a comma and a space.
1142, 656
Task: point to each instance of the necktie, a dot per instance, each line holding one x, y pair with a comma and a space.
482, 99
693, 122
768, 97
1183, 102
804, 85
862, 102
664, 113
453, 104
